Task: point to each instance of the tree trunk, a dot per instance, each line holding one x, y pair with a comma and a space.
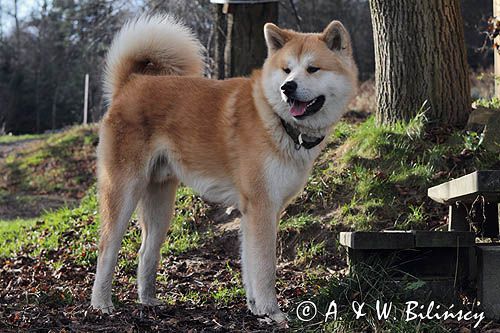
239, 42
420, 56
37, 101
219, 41
18, 30
54, 107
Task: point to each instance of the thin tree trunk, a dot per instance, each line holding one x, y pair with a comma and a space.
37, 101
39, 66
420, 56
54, 107
18, 30
220, 27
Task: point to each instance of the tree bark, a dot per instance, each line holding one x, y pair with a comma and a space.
420, 56
239, 42
220, 28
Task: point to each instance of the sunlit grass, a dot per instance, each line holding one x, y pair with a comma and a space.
9, 138
82, 225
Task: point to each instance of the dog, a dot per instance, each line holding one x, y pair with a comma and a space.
247, 142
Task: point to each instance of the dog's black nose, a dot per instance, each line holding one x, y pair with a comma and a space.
289, 88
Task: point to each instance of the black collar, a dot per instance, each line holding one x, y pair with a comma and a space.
300, 140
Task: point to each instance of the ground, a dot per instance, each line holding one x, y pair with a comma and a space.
33, 166
47, 260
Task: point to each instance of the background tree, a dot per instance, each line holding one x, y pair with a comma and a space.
45, 56
420, 56
235, 54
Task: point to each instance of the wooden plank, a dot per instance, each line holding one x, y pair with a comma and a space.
426, 239
393, 240
468, 187
368, 240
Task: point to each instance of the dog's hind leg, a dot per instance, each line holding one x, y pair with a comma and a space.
258, 238
156, 208
117, 200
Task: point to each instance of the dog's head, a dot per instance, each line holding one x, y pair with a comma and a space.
308, 78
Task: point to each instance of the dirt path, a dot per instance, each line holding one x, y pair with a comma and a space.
9, 147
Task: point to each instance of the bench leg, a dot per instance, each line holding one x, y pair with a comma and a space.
491, 223
457, 217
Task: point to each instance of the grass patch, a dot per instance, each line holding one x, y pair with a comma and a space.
64, 164
368, 284
306, 252
9, 138
297, 222
76, 230
230, 291
9, 233
185, 233
376, 176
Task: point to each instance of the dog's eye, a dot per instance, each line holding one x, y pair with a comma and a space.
286, 70
312, 69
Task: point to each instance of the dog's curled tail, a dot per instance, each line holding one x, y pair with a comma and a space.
152, 45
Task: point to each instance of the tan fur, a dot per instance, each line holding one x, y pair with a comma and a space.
223, 138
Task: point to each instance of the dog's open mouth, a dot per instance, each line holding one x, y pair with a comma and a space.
300, 109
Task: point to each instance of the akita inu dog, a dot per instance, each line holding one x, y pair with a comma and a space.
246, 142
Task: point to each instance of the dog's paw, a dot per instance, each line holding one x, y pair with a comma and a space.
104, 307
272, 311
280, 318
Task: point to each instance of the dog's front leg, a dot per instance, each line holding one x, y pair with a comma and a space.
258, 237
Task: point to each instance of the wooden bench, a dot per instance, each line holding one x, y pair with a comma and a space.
444, 260
473, 202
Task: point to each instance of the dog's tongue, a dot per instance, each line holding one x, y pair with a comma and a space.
298, 108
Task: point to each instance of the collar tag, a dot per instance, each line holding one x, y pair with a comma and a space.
301, 141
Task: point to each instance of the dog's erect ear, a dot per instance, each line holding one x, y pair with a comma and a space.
337, 38
275, 37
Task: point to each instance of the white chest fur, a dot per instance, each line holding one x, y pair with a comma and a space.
284, 179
